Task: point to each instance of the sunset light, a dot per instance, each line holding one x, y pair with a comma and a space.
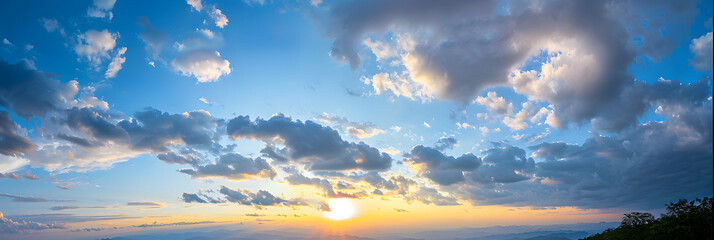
340, 209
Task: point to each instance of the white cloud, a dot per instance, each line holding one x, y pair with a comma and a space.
95, 45
702, 49
204, 65
353, 129
11, 163
396, 128
484, 130
465, 126
495, 103
29, 47
7, 42
101, 9
204, 100
206, 33
529, 113
427, 125
195, 4
218, 17
396, 84
380, 49
116, 63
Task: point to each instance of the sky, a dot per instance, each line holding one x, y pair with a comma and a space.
347, 117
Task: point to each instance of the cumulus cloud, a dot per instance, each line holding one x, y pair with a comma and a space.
702, 49
116, 63
156, 130
233, 166
195, 5
529, 113
453, 51
204, 65
95, 45
218, 17
9, 226
353, 129
442, 169
101, 9
495, 104
321, 148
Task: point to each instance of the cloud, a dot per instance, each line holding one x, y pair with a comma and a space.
321, 148
529, 113
30, 177
233, 166
7, 42
192, 197
156, 130
11, 142
172, 157
146, 204
442, 169
454, 51
353, 129
153, 39
398, 85
9, 226
245, 197
218, 17
445, 143
204, 65
702, 49
50, 24
27, 92
195, 5
26, 199
95, 45
495, 104
116, 63
258, 199
101, 9
9, 164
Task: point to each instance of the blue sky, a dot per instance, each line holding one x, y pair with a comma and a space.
420, 105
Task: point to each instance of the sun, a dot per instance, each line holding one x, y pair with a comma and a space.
340, 209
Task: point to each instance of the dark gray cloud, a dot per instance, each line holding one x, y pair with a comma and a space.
172, 157
503, 164
9, 226
192, 197
320, 147
442, 169
156, 130
28, 92
234, 166
652, 163
245, 197
11, 142
91, 123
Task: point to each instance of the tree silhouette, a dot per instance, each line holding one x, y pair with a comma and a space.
636, 219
